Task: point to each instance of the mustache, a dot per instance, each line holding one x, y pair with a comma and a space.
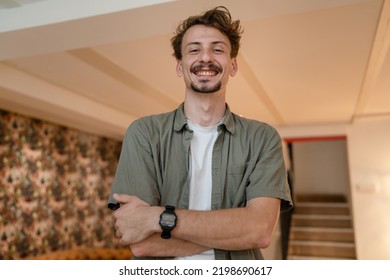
208, 67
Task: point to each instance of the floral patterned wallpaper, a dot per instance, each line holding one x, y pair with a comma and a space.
54, 185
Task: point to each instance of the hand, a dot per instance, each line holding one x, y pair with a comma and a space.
135, 219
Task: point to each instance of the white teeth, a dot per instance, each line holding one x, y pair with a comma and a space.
206, 73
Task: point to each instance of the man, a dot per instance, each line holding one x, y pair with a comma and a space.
200, 182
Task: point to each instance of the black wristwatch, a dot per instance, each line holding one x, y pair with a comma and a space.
168, 221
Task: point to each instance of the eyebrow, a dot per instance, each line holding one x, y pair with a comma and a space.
199, 43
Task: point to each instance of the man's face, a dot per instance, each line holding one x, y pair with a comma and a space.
206, 63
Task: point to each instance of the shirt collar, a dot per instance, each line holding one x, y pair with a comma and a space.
180, 119
229, 120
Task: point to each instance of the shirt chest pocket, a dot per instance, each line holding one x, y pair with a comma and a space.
237, 180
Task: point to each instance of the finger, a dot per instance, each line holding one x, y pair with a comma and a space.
122, 242
122, 198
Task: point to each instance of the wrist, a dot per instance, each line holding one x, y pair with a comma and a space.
168, 220
156, 218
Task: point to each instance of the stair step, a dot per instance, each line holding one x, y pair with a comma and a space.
327, 208
320, 198
296, 257
322, 234
321, 229
308, 220
322, 249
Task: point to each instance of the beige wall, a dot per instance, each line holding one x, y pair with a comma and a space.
369, 157
321, 167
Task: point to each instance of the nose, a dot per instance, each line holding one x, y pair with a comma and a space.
206, 56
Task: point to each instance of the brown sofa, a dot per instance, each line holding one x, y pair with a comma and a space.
83, 253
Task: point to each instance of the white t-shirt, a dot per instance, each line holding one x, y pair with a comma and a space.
201, 150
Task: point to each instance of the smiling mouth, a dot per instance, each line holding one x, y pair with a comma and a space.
205, 73
209, 71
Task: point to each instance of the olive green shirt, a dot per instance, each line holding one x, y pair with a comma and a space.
247, 162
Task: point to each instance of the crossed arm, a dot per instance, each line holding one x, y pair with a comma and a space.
137, 225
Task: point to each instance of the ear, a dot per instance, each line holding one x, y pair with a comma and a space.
234, 69
179, 68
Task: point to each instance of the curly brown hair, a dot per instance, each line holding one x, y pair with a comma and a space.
218, 18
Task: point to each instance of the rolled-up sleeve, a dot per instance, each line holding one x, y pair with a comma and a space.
269, 176
135, 174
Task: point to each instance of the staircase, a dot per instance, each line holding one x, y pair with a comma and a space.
321, 228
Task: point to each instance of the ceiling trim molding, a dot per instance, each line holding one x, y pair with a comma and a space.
250, 76
379, 51
39, 99
116, 72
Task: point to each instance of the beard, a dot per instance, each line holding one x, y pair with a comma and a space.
206, 89
202, 87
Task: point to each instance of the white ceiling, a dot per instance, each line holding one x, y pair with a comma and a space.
98, 67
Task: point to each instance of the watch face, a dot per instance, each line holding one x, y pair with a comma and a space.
168, 220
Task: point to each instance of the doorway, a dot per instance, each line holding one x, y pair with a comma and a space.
320, 225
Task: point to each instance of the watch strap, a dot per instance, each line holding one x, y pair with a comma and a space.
166, 234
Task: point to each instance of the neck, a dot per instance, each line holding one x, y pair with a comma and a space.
205, 109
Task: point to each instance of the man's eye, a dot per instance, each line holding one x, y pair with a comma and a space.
193, 51
218, 50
